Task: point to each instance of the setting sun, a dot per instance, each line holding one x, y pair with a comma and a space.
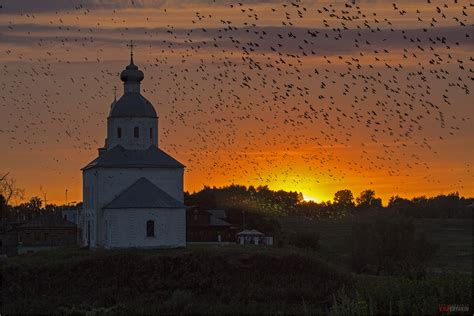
309, 198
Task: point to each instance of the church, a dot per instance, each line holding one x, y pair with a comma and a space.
133, 191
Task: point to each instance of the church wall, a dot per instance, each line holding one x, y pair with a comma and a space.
127, 228
89, 213
110, 182
127, 125
113, 181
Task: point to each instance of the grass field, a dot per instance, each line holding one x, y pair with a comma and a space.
226, 279
454, 237
198, 279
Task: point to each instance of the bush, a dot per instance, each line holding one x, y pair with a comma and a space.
390, 247
305, 240
403, 296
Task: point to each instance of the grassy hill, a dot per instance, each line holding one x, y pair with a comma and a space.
198, 279
238, 279
211, 280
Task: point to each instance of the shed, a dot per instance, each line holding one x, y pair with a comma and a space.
254, 237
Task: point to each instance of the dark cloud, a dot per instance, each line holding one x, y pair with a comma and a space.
32, 6
283, 40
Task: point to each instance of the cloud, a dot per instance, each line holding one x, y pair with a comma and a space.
283, 40
34, 6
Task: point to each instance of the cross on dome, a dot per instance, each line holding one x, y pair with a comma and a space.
131, 76
131, 45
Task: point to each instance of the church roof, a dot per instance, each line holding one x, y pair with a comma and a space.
144, 194
215, 221
251, 232
47, 221
119, 157
218, 213
132, 104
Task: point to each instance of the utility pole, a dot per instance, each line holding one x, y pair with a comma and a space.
44, 195
66, 198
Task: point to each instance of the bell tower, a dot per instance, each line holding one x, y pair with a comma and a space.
132, 122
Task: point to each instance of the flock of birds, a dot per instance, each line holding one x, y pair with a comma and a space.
239, 99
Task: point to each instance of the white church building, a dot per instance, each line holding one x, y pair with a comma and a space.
133, 191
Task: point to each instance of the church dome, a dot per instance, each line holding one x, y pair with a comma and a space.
133, 105
131, 74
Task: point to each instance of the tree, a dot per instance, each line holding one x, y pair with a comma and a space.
9, 189
367, 199
3, 206
3, 202
34, 203
392, 247
344, 199
398, 202
400, 206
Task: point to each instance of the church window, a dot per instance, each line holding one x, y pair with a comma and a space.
151, 133
136, 132
150, 228
119, 132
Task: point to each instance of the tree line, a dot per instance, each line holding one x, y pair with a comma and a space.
263, 200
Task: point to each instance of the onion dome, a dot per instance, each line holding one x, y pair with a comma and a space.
131, 74
133, 105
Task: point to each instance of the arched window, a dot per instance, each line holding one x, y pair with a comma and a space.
119, 132
136, 132
150, 228
151, 133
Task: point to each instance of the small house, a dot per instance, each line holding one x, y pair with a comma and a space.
253, 237
45, 232
71, 215
208, 226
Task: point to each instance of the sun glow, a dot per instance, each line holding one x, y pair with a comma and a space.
309, 198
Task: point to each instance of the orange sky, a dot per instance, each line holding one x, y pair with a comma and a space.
272, 114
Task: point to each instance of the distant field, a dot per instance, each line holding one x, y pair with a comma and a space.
454, 237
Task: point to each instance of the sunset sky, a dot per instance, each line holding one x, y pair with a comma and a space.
312, 96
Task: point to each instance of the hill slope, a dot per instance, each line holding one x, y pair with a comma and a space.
207, 280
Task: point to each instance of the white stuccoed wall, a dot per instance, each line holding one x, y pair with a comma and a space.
108, 183
89, 211
127, 228
128, 141
112, 181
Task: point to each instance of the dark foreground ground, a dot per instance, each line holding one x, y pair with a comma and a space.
233, 279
